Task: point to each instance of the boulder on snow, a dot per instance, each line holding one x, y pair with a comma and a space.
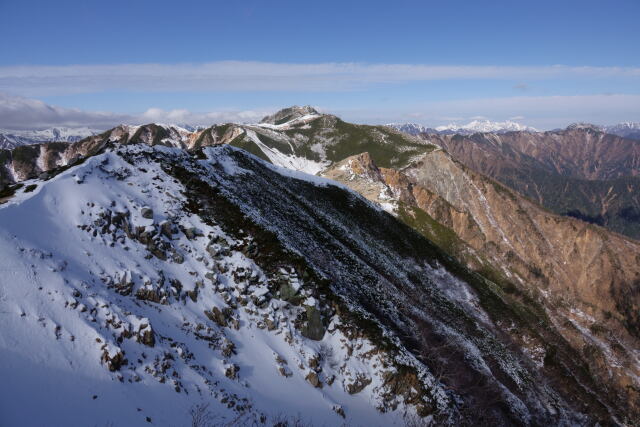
146, 335
313, 379
359, 384
146, 212
114, 362
314, 329
231, 371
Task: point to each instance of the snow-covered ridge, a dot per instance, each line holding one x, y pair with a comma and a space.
13, 138
486, 126
410, 128
136, 313
625, 125
585, 126
296, 121
626, 129
482, 126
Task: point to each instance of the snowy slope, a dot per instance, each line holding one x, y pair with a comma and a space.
288, 161
66, 315
148, 280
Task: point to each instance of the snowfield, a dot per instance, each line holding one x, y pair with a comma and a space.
63, 322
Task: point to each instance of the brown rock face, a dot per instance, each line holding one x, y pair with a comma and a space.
582, 153
579, 172
587, 279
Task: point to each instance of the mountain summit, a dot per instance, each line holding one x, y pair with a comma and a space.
289, 114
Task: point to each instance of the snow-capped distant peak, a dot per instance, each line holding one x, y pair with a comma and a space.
624, 129
486, 126
10, 138
591, 126
410, 128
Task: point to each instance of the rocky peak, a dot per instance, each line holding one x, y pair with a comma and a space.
289, 114
361, 164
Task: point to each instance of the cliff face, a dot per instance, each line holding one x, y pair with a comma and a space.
586, 278
580, 172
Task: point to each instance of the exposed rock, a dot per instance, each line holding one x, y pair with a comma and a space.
313, 379
115, 362
192, 232
228, 349
146, 212
314, 329
359, 384
530, 253
146, 335
232, 371
166, 228
193, 294
221, 317
579, 171
148, 294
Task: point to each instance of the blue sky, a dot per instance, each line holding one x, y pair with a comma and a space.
549, 62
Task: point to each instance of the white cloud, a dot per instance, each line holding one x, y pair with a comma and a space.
24, 113
264, 76
543, 112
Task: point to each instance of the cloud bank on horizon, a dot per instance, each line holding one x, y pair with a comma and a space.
19, 113
542, 112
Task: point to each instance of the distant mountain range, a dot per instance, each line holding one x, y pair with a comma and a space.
13, 138
470, 128
628, 129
